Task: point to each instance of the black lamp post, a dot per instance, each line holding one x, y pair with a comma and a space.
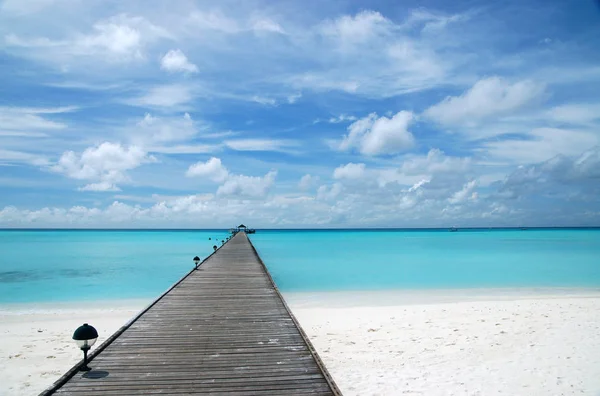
196, 261
85, 336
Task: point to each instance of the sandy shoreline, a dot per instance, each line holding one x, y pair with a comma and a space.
475, 342
35, 339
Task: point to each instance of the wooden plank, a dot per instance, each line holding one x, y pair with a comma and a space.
223, 329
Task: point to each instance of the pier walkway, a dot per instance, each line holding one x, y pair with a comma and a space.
223, 329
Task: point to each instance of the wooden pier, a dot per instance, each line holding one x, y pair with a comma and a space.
223, 329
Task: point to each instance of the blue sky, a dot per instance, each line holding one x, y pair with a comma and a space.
299, 113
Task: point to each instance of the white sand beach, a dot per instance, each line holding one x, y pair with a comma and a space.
35, 339
483, 342
457, 342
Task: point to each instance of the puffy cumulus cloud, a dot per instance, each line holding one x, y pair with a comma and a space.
356, 29
572, 177
107, 164
532, 195
327, 193
232, 184
114, 36
489, 97
116, 39
375, 135
213, 169
434, 162
153, 130
349, 171
418, 185
465, 193
247, 186
307, 181
176, 61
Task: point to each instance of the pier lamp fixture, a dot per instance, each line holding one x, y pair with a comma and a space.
196, 261
85, 336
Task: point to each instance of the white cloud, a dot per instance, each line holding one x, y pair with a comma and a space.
20, 157
418, 185
263, 24
164, 96
185, 149
433, 22
232, 184
571, 177
176, 61
213, 169
540, 145
341, 118
259, 144
263, 100
307, 181
294, 98
426, 203
577, 113
349, 171
114, 37
489, 97
374, 135
120, 38
465, 193
247, 186
213, 20
26, 121
106, 163
360, 28
101, 186
417, 60
156, 130
327, 193
20, 7
434, 162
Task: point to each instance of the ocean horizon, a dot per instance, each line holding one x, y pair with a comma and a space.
63, 265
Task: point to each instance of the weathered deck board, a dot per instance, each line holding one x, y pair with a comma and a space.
222, 330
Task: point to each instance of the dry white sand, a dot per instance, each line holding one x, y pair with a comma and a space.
457, 343
35, 339
390, 343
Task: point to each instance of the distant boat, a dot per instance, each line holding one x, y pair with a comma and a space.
523, 228
453, 229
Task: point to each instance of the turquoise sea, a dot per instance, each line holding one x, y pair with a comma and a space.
75, 265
